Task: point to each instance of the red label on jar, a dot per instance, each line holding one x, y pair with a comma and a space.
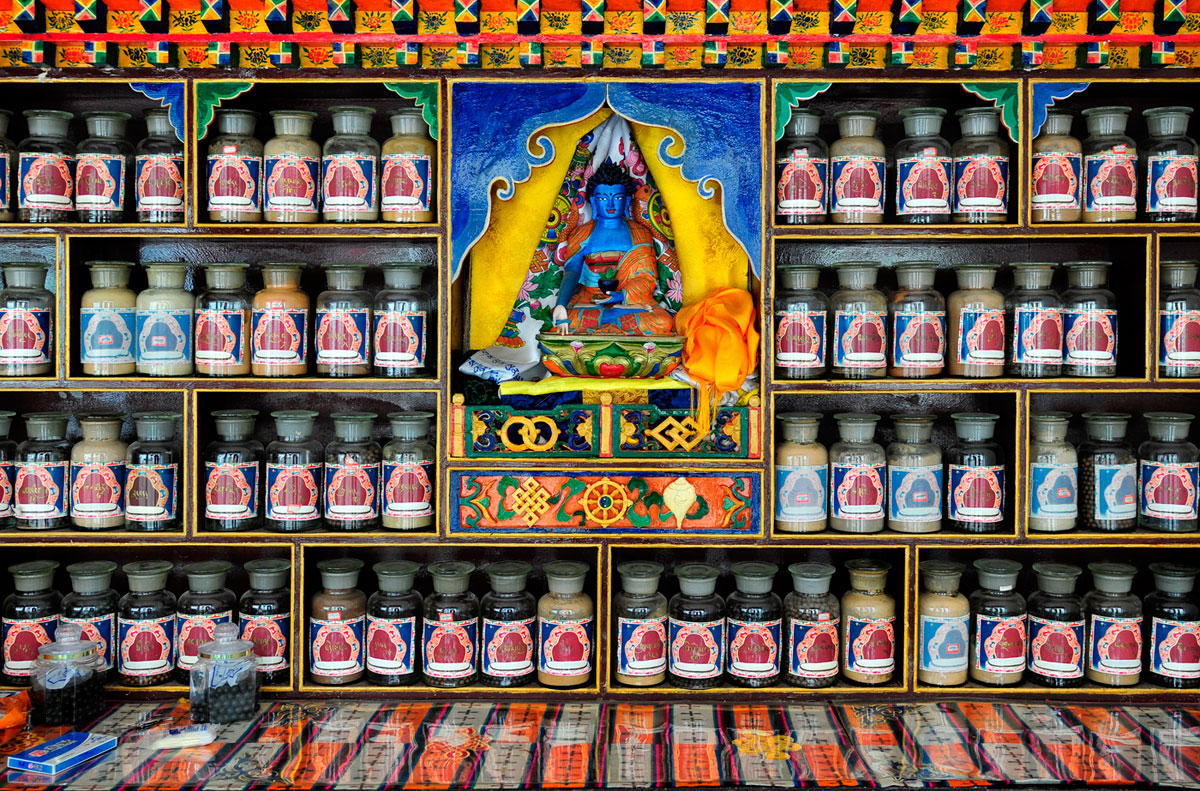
158, 185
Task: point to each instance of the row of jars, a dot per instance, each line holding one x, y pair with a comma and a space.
225, 330
846, 182
450, 638
147, 636
752, 638
858, 487
916, 333
104, 179
1057, 638
1098, 180
292, 178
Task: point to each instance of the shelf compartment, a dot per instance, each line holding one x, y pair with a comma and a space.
42, 249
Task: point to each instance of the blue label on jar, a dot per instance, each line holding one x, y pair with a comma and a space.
164, 337
351, 491
45, 181
406, 184
1175, 648
1090, 337
915, 493
23, 641
696, 650
100, 182
336, 647
26, 336
999, 644
408, 488
923, 184
449, 648
641, 646
158, 183
234, 183
343, 336
1057, 179
860, 339
1116, 491
800, 339
294, 492
944, 643
8, 472
801, 184
1037, 335
97, 489
220, 338
565, 646
981, 184
919, 339
391, 645
100, 630
981, 337
193, 631
348, 183
507, 648
1056, 648
40, 490
270, 635
230, 490
800, 493
858, 184
755, 648
1055, 491
976, 494
1110, 180
291, 183
279, 337
107, 335
151, 492
856, 491
1171, 183
1168, 490
870, 646
145, 647
813, 647
1115, 645
1179, 338
400, 338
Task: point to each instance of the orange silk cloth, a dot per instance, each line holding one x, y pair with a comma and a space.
637, 277
721, 344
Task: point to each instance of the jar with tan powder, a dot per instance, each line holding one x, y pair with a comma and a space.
235, 159
1057, 171
1053, 474
915, 476
859, 311
1110, 160
98, 473
566, 627
801, 474
917, 319
857, 163
280, 321
868, 624
165, 310
291, 169
337, 625
107, 320
944, 624
856, 472
976, 323
641, 615
408, 184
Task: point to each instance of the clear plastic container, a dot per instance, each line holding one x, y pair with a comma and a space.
802, 171
801, 316
224, 681
1169, 160
68, 681
923, 168
350, 168
1178, 320
158, 182
45, 181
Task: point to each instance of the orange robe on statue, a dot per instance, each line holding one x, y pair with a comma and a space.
637, 277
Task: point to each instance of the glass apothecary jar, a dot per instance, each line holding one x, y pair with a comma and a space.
146, 625
1053, 474
152, 474
223, 322
998, 633
291, 169
403, 319
27, 321
856, 472
68, 681
350, 168
976, 323
107, 320
45, 177
8, 169
1108, 474
923, 168
29, 619
98, 473
1169, 160
224, 681
234, 169
409, 180
8, 455
917, 317
696, 629
352, 473
859, 330
1033, 312
1178, 320
450, 630
802, 171
857, 162
754, 618
279, 321
1110, 159
337, 625
508, 613
975, 467
981, 189
1089, 321
1056, 627
566, 627
41, 485
944, 622
343, 336
233, 473
914, 476
801, 475
641, 613
1057, 171
103, 169
393, 625
1172, 620
868, 624
813, 620
164, 314
408, 472
1114, 626
801, 315
295, 474
205, 604
158, 185
92, 606
1167, 474
265, 617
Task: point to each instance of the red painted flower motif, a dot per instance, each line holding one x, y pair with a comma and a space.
247, 20
319, 55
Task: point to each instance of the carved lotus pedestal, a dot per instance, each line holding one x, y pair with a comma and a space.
611, 356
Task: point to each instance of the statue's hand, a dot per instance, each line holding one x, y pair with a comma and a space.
560, 319
602, 299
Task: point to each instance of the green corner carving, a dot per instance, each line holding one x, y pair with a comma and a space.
789, 95
209, 96
1005, 96
425, 94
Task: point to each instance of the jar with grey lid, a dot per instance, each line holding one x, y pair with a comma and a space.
41, 489
45, 182
404, 321
1114, 626
801, 475
802, 171
92, 606
29, 620
8, 455
107, 320
868, 624
409, 180
998, 628
859, 323
393, 625
233, 473
408, 472
1053, 474
1110, 160
164, 314
1089, 321
566, 627
917, 321
1057, 178
235, 161
508, 614
350, 168
450, 629
641, 613
295, 474
696, 629
1169, 161
754, 618
1033, 313
975, 469
352, 473
813, 619
801, 318
1108, 474
8, 169
103, 169
223, 313
98, 473
265, 617
205, 604
857, 175
944, 623
1056, 627
914, 476
27, 311
1168, 467
923, 168
857, 466
152, 474
1171, 615
146, 625
337, 624
158, 183
291, 169
976, 316
343, 335
1178, 320
981, 188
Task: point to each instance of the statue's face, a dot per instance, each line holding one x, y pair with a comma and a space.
609, 200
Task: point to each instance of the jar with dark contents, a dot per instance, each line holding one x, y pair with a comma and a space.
859, 331
153, 474
223, 313
206, 604
45, 181
813, 620
975, 474
232, 473
41, 489
868, 624
923, 168
224, 681
1057, 178
450, 629
92, 606
337, 625
350, 168
915, 476
27, 312
1169, 161
30, 619
1033, 313
998, 625
8, 169
1056, 627
981, 189
1053, 474
857, 467
146, 625
754, 618
235, 163
1167, 474
1178, 320
265, 617
801, 315
641, 617
1108, 474
1171, 629
696, 629
944, 617
408, 472
508, 615
1089, 321
103, 169
393, 625
802, 171
343, 335
917, 319
295, 470
404, 320
8, 455
1114, 626
158, 171
352, 473
68, 681
1110, 159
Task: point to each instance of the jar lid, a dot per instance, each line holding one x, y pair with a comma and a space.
1112, 577
965, 266
410, 425
282, 265
941, 576
1151, 112
1087, 264
225, 644
868, 575
116, 264
1173, 577
165, 265
811, 579
46, 425
62, 115
155, 426
909, 265
451, 576
1056, 577
396, 576
294, 422
339, 573
6, 417
697, 579
640, 577
268, 574
997, 573
565, 576
353, 426
1047, 420
1039, 265
508, 576
351, 108
217, 265
334, 266
799, 418
91, 576
305, 113
1106, 425
969, 111
909, 112
33, 575
232, 423
913, 420
1106, 110
976, 426
68, 645
101, 418
207, 575
754, 577
147, 576
857, 264
840, 114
